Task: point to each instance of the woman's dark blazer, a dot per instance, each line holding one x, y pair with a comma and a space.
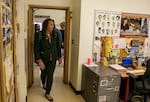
46, 49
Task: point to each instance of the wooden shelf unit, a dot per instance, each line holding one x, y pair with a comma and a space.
8, 89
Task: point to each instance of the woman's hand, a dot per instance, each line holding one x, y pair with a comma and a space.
40, 64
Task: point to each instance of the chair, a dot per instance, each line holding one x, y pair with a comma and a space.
140, 86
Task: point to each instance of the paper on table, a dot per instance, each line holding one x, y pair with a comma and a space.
135, 71
117, 67
91, 65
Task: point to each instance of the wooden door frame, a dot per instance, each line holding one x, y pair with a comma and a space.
30, 40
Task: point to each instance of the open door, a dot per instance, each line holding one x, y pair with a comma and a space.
30, 47
30, 39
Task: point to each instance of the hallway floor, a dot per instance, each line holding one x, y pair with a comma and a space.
60, 92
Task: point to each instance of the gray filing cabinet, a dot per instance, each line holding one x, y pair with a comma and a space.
100, 84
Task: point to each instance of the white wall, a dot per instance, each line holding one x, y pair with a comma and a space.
20, 52
57, 15
51, 2
87, 23
74, 70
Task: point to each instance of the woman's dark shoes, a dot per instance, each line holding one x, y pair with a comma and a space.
49, 98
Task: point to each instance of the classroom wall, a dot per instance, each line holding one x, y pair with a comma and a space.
87, 23
83, 27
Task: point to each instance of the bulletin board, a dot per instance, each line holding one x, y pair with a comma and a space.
106, 23
7, 54
120, 25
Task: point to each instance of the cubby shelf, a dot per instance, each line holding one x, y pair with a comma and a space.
7, 51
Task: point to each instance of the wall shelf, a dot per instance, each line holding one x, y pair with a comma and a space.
132, 36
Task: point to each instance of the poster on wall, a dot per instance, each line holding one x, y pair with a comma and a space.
145, 26
137, 25
8, 64
106, 23
3, 15
4, 50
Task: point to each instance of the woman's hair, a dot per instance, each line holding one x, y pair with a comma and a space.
45, 24
54, 23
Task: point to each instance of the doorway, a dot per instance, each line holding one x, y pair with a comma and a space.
30, 37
